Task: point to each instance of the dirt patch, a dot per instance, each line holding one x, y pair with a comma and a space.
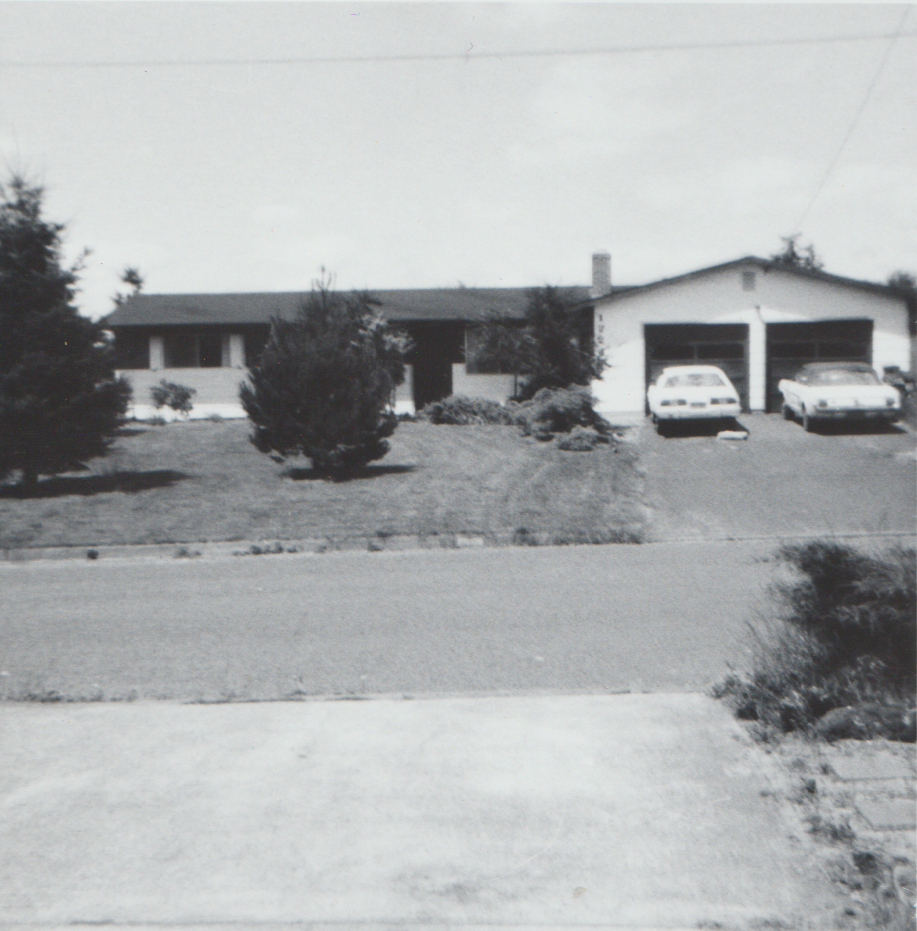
852, 804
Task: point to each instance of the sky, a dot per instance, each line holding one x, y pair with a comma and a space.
224, 147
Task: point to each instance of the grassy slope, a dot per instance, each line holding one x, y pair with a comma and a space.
200, 481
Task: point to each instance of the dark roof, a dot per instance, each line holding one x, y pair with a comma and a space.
400, 305
766, 265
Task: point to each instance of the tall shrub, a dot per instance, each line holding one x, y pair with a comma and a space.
551, 347
60, 402
324, 383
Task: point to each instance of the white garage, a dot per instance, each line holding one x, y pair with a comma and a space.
755, 319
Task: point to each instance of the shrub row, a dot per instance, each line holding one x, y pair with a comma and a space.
568, 411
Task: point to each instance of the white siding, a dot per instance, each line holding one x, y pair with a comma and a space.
718, 297
217, 391
493, 387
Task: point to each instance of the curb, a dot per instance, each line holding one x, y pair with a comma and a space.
392, 543
311, 546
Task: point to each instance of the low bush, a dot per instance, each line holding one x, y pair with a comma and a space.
461, 410
581, 439
844, 633
559, 410
168, 394
551, 411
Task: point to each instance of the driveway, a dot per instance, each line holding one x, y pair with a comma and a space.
781, 481
575, 812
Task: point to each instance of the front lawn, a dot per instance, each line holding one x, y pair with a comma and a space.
202, 481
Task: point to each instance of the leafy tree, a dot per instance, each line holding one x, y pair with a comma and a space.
903, 281
60, 402
551, 347
134, 280
797, 257
324, 383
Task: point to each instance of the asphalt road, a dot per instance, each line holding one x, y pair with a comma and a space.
654, 617
659, 617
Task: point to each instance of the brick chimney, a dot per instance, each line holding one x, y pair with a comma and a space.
601, 274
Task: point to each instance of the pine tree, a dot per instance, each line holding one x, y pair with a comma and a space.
551, 346
60, 402
324, 383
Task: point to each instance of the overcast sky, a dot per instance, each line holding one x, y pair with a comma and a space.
245, 164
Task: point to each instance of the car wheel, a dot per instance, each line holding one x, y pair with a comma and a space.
807, 423
787, 412
662, 428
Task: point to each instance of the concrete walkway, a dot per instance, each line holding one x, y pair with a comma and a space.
627, 811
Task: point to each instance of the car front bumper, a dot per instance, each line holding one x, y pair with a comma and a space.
888, 414
708, 412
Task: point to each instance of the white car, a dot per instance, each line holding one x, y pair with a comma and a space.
692, 392
824, 391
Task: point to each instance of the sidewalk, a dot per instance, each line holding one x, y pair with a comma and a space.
636, 811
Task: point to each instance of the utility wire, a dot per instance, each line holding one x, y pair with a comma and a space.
469, 55
856, 118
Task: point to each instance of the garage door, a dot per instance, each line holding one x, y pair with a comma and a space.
724, 345
792, 345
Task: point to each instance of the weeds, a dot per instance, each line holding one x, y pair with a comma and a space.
268, 549
837, 832
842, 634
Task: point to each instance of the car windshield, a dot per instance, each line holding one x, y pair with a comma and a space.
694, 380
842, 377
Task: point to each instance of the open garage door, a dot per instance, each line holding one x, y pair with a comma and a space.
792, 345
724, 345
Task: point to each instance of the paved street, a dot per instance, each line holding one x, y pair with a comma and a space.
654, 617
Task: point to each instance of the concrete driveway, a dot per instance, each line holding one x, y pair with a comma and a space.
780, 481
631, 811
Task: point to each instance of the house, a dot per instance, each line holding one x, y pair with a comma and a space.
757, 320
207, 341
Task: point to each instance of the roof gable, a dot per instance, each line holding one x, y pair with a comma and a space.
765, 265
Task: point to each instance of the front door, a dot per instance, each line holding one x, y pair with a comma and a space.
437, 347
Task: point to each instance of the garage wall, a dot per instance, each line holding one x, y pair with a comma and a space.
724, 296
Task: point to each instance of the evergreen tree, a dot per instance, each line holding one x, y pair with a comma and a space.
324, 383
60, 402
551, 347
794, 256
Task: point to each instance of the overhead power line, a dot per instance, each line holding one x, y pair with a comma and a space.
856, 117
469, 54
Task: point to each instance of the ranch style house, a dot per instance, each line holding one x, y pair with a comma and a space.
757, 320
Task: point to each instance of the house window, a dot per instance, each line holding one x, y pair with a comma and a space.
179, 351
478, 362
192, 350
132, 350
210, 350
748, 281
